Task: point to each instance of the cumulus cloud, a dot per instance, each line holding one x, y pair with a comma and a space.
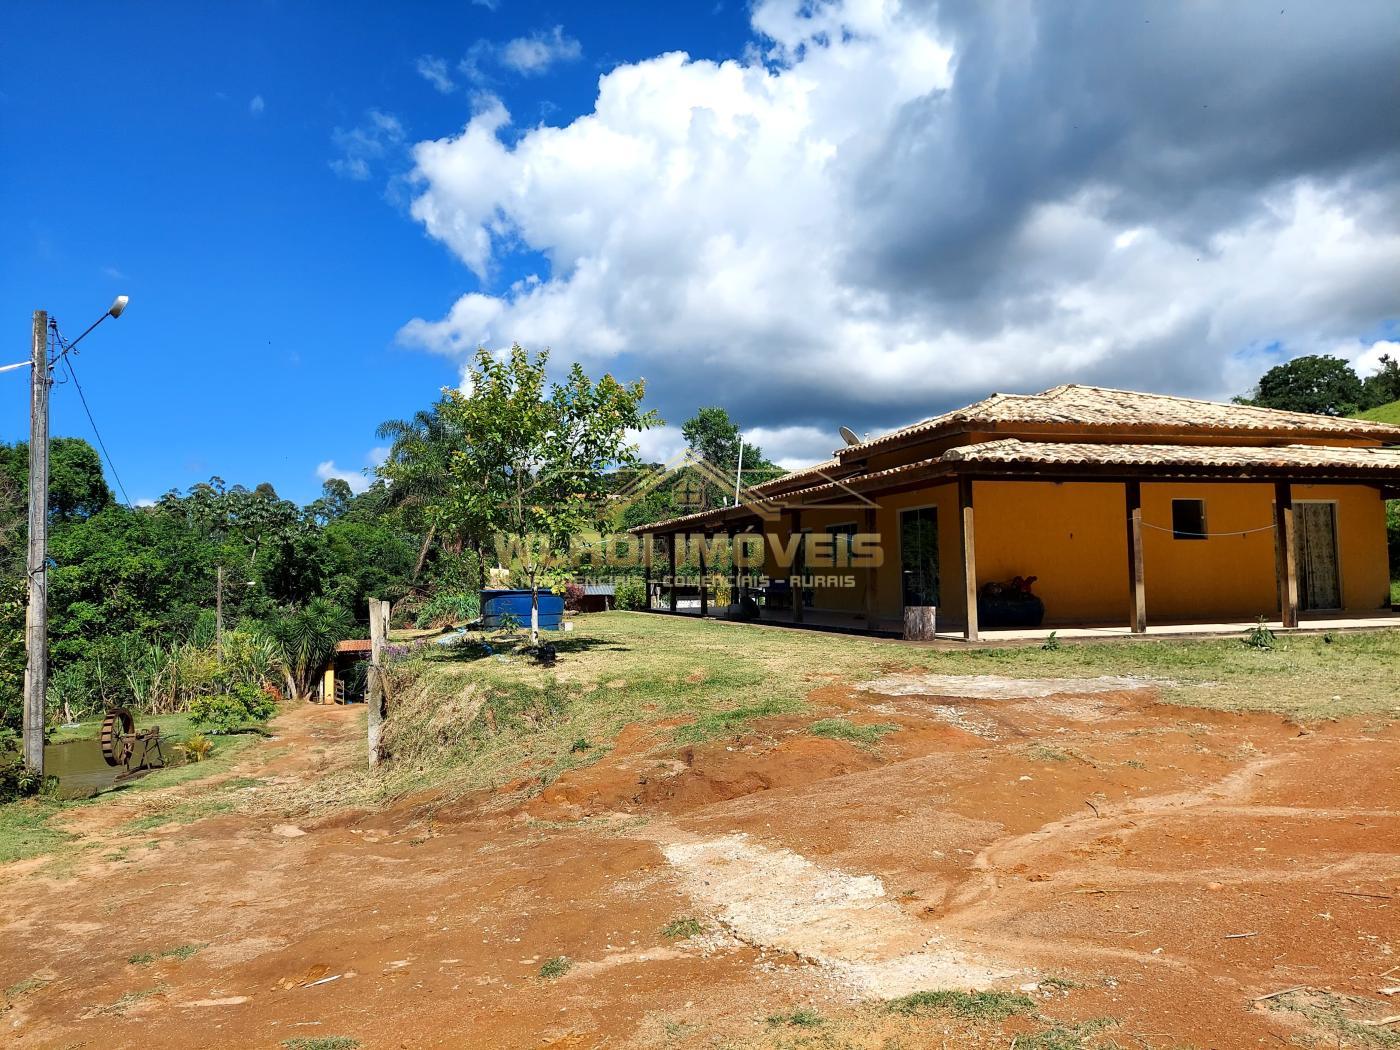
256, 105
885, 209
535, 53
354, 478
362, 146
434, 70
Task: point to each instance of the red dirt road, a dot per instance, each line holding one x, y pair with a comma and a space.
1165, 866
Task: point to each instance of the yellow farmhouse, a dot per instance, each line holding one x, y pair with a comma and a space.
1076, 507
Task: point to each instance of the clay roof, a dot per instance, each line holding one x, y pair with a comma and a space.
1104, 409
354, 645
1011, 450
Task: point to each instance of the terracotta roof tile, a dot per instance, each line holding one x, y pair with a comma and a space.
1012, 450
1103, 408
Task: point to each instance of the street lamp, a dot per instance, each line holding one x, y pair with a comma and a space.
36, 625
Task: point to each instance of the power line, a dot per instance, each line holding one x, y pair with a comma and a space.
73, 375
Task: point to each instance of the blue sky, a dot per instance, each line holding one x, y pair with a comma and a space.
850, 212
266, 290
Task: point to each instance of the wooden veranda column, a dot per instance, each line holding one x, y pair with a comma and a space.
704, 584
1285, 554
733, 569
671, 544
798, 559
969, 556
1137, 587
644, 539
872, 580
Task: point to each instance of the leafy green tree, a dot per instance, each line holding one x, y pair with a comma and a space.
77, 488
1383, 386
1316, 383
534, 465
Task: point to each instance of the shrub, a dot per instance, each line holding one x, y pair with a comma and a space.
196, 747
631, 593
240, 707
573, 597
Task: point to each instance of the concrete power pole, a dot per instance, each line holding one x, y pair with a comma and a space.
36, 624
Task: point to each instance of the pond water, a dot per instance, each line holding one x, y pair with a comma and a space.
82, 771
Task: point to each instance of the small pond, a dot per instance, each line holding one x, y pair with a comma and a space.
81, 770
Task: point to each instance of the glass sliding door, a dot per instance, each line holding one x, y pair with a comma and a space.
918, 555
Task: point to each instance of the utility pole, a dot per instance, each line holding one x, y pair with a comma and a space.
36, 623
219, 615
36, 619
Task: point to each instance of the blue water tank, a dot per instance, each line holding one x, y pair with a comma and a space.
496, 603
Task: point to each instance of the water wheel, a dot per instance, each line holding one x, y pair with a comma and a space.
118, 733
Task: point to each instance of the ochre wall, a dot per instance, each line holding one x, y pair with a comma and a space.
1073, 537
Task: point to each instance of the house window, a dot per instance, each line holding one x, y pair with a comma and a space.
1188, 519
841, 538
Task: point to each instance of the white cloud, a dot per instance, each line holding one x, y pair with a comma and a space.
490, 5
256, 105
662, 444
354, 478
145, 503
364, 145
434, 70
377, 455
534, 54
875, 215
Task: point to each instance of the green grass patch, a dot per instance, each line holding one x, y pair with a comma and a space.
555, 968
802, 1018
25, 830
723, 723
978, 1006
321, 1042
1044, 753
181, 952
1337, 1016
840, 729
1382, 413
20, 989
1081, 1036
678, 929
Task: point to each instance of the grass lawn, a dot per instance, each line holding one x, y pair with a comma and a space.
482, 720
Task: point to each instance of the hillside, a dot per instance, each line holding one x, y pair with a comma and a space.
1382, 413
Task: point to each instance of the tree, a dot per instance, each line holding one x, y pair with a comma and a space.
417, 468
77, 487
1384, 386
1316, 383
534, 465
715, 437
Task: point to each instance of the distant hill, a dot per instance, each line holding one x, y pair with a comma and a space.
1382, 413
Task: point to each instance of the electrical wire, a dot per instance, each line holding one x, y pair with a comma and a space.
73, 375
1207, 535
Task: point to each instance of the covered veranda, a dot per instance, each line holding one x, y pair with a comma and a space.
1122, 550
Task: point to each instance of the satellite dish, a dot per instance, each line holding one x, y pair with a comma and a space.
849, 436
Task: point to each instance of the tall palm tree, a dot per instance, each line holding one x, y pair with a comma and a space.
417, 469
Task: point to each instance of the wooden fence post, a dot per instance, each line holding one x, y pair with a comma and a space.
378, 624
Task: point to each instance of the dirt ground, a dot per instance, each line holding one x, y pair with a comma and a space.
1153, 869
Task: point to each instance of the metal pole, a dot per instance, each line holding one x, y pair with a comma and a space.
36, 674
739, 473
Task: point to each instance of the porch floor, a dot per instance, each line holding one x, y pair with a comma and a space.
822, 620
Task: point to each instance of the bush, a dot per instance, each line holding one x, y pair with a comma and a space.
241, 707
631, 593
573, 596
